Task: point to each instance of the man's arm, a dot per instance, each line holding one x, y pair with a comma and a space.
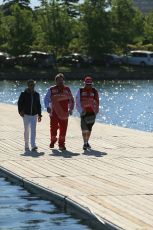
21, 104
39, 106
47, 101
78, 102
71, 102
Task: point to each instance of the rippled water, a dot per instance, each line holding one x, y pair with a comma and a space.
20, 210
124, 103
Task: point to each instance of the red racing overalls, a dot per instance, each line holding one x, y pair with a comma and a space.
62, 102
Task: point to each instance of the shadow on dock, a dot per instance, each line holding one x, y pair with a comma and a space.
65, 153
33, 154
69, 154
92, 152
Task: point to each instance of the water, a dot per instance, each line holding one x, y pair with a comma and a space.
22, 210
124, 103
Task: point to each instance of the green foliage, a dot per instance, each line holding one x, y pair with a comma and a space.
20, 30
126, 22
23, 3
56, 26
102, 26
148, 28
71, 7
95, 29
3, 29
140, 46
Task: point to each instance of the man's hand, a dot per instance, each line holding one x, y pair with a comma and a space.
39, 118
83, 113
48, 110
22, 114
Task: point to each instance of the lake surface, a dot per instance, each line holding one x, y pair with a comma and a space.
20, 210
124, 103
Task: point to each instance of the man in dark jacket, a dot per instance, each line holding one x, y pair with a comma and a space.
29, 108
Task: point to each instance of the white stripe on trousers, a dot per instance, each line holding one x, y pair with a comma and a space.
30, 125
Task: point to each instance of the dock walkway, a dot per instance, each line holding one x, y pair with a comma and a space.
114, 181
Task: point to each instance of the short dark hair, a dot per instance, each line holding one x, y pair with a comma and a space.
31, 81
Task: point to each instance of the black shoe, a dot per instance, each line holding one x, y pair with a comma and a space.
34, 148
27, 149
62, 148
85, 147
88, 146
51, 146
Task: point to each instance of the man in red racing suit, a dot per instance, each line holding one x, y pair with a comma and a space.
60, 104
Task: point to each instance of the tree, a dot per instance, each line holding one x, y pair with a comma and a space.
3, 31
6, 7
95, 29
56, 26
71, 7
148, 28
127, 23
21, 30
24, 3
39, 42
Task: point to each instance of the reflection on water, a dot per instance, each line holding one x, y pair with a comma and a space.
124, 103
21, 210
128, 104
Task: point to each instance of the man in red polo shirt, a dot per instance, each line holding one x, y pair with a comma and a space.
60, 104
87, 104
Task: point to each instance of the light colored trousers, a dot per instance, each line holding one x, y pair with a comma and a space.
30, 125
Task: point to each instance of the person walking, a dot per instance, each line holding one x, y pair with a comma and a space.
87, 104
60, 104
29, 108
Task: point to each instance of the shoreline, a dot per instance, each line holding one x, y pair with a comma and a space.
105, 73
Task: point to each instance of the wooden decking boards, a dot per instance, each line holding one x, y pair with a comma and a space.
114, 180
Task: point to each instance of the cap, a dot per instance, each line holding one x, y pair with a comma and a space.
60, 75
88, 80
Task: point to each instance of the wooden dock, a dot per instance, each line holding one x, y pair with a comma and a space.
113, 181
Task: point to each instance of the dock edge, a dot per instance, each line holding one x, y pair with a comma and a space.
64, 202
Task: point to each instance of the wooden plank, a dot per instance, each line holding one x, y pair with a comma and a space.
114, 179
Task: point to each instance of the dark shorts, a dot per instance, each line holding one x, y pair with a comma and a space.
87, 121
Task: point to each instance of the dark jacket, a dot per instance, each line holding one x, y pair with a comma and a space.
29, 103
